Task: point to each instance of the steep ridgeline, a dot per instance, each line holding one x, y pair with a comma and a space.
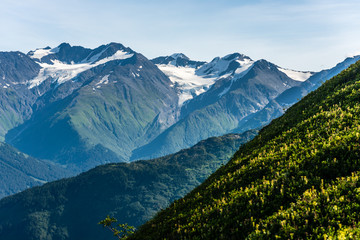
16, 99
276, 107
236, 87
83, 107
19, 171
298, 179
94, 105
131, 192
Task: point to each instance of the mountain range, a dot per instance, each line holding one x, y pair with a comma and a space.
91, 106
79, 108
297, 179
83, 107
19, 171
132, 192
68, 109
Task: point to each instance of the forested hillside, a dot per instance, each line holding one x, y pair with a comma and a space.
298, 179
131, 192
19, 171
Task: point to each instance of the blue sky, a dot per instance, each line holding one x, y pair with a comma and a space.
302, 35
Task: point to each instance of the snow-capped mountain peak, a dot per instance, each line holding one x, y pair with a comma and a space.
235, 56
60, 67
193, 78
178, 60
234, 63
176, 56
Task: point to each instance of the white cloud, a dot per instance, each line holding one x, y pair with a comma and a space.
305, 35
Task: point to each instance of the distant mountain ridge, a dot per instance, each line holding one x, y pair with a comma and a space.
178, 60
240, 87
16, 69
299, 178
131, 192
278, 105
94, 105
83, 107
19, 171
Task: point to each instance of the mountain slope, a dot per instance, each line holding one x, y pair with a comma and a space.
299, 178
19, 171
70, 208
243, 87
94, 105
277, 106
15, 99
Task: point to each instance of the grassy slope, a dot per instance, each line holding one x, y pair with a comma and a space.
297, 179
133, 193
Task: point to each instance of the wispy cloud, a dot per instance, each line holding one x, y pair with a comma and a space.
307, 34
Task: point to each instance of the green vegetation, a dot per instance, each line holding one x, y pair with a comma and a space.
130, 192
298, 179
19, 171
212, 115
83, 124
121, 231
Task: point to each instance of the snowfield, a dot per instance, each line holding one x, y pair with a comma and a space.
61, 72
186, 80
296, 75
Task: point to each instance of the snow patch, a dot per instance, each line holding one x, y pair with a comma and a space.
239, 73
103, 80
119, 55
62, 72
59, 71
186, 80
225, 90
135, 74
192, 81
94, 58
214, 68
219, 65
296, 75
40, 53
38, 180
244, 67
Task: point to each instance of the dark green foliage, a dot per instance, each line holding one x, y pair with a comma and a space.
298, 179
121, 231
19, 171
132, 193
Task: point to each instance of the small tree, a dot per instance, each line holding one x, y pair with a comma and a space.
121, 231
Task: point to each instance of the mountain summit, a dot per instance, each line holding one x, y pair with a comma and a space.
239, 86
178, 60
92, 106
298, 179
82, 107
